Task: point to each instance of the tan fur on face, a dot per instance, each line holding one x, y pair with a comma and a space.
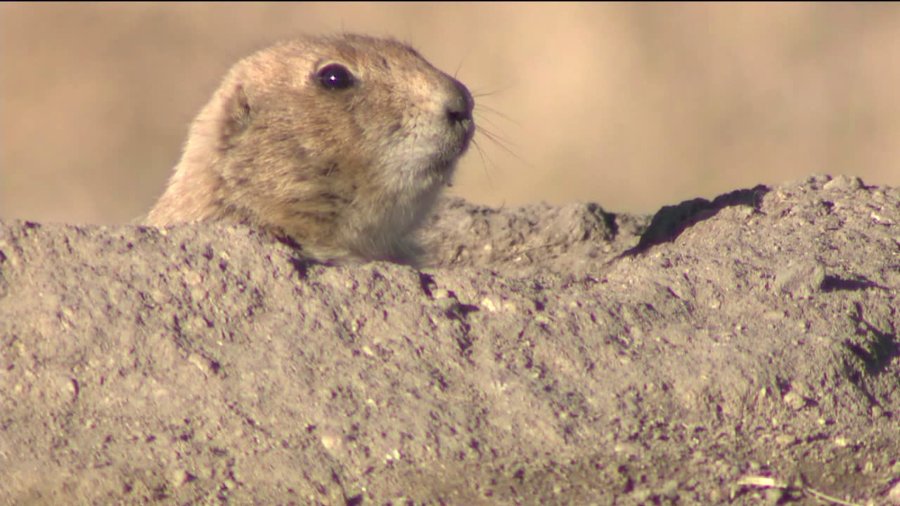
347, 173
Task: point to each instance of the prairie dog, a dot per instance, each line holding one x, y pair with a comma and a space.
341, 143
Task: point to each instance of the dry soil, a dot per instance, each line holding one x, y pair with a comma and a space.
736, 351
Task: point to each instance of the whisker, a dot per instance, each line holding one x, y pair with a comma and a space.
483, 119
478, 93
490, 135
484, 162
497, 138
461, 61
498, 113
502, 144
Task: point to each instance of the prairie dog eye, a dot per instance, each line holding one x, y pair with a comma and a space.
335, 76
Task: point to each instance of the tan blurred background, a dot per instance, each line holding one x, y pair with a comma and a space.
632, 106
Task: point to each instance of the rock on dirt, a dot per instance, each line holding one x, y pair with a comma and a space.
742, 350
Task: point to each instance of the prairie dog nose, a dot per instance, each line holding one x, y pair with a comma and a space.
459, 106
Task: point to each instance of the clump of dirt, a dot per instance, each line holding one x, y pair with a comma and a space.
736, 351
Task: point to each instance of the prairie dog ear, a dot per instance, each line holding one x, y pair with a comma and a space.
235, 114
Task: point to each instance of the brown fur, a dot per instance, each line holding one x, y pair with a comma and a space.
348, 173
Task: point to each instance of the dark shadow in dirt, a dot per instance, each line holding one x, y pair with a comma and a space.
611, 220
834, 283
426, 281
300, 263
670, 221
878, 351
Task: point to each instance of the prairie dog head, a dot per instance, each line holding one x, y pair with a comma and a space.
340, 142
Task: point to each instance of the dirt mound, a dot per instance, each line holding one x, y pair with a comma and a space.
721, 352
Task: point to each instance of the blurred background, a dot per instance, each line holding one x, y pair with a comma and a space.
633, 106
